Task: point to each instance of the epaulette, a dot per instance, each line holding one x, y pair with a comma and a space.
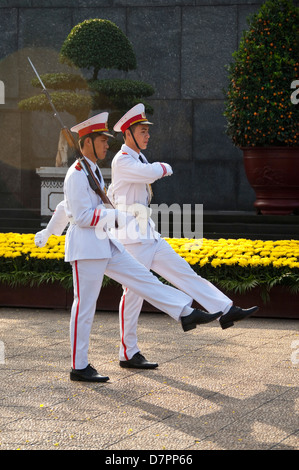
124, 153
78, 166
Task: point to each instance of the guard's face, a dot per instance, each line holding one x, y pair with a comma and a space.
141, 134
101, 146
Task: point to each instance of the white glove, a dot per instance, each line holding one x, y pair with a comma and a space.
142, 214
121, 219
168, 169
108, 218
113, 216
107, 221
41, 237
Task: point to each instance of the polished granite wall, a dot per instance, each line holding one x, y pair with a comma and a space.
182, 47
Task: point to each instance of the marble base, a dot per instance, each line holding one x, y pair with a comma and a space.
52, 179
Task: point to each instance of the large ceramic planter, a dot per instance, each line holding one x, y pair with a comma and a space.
273, 173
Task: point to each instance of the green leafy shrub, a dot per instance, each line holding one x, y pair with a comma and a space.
61, 81
98, 44
122, 94
76, 104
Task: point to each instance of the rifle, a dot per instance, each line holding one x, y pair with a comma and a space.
93, 182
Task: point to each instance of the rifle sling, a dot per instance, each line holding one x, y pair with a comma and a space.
93, 182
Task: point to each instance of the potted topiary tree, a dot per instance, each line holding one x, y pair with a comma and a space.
262, 120
91, 45
94, 45
98, 44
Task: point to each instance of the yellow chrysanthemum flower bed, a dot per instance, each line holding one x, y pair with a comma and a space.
232, 264
240, 264
22, 263
15, 245
238, 252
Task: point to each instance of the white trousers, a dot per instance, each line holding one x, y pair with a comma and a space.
162, 259
123, 268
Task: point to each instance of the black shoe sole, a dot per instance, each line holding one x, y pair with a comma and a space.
128, 366
77, 378
189, 327
225, 325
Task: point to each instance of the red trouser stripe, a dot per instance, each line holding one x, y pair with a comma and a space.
123, 324
76, 318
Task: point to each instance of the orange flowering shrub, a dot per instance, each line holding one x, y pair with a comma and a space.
259, 110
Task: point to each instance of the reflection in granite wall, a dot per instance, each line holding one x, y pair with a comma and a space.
182, 47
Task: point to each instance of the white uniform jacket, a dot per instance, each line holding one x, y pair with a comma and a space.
131, 181
84, 209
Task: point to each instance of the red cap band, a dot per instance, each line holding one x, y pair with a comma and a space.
94, 128
133, 120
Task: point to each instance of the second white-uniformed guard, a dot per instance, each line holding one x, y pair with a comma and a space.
93, 251
132, 175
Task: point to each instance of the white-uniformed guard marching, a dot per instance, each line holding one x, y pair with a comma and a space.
93, 251
132, 176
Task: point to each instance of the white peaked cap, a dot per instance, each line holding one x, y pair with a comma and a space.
134, 116
98, 123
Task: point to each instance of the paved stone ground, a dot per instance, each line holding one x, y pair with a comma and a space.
214, 390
